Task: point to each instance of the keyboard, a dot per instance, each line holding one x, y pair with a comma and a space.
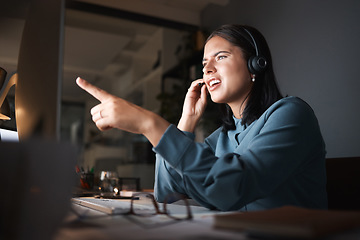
112, 206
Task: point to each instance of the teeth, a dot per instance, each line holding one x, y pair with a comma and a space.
212, 82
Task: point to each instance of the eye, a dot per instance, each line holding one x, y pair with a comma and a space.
219, 57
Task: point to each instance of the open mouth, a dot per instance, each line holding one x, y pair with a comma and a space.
214, 82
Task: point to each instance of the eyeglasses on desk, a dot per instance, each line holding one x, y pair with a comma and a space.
145, 205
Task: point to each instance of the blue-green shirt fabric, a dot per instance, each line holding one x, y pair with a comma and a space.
277, 160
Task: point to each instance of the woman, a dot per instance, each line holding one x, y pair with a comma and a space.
269, 151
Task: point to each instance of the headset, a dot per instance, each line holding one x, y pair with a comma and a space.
256, 64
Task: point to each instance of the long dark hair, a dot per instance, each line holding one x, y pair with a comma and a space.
265, 91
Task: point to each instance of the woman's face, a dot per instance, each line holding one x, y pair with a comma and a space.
225, 73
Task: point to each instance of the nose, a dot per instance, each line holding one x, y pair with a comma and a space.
209, 68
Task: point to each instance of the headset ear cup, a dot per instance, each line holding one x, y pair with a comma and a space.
250, 65
257, 64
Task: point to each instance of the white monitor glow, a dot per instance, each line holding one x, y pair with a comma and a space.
8, 135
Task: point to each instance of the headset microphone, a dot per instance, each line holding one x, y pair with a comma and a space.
256, 64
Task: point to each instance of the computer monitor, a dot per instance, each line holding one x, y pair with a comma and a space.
38, 87
39, 172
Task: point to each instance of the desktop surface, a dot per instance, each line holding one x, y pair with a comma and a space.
86, 223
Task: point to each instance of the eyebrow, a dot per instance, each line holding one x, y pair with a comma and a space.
217, 53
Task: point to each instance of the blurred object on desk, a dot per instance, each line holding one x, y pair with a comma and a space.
37, 187
109, 184
87, 180
290, 222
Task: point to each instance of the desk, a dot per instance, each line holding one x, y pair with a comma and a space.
99, 225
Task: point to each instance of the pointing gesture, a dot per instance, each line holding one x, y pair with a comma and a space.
115, 112
96, 92
97, 112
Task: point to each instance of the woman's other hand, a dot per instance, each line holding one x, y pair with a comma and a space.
194, 106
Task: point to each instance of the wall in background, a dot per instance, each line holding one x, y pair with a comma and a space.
315, 49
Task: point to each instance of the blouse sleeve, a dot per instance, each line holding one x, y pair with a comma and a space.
279, 143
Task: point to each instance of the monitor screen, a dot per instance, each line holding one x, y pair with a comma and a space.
38, 88
8, 135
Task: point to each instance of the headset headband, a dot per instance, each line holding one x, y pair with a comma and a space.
256, 64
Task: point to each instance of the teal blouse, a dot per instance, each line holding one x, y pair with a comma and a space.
277, 160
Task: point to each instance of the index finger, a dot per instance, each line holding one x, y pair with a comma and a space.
96, 92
